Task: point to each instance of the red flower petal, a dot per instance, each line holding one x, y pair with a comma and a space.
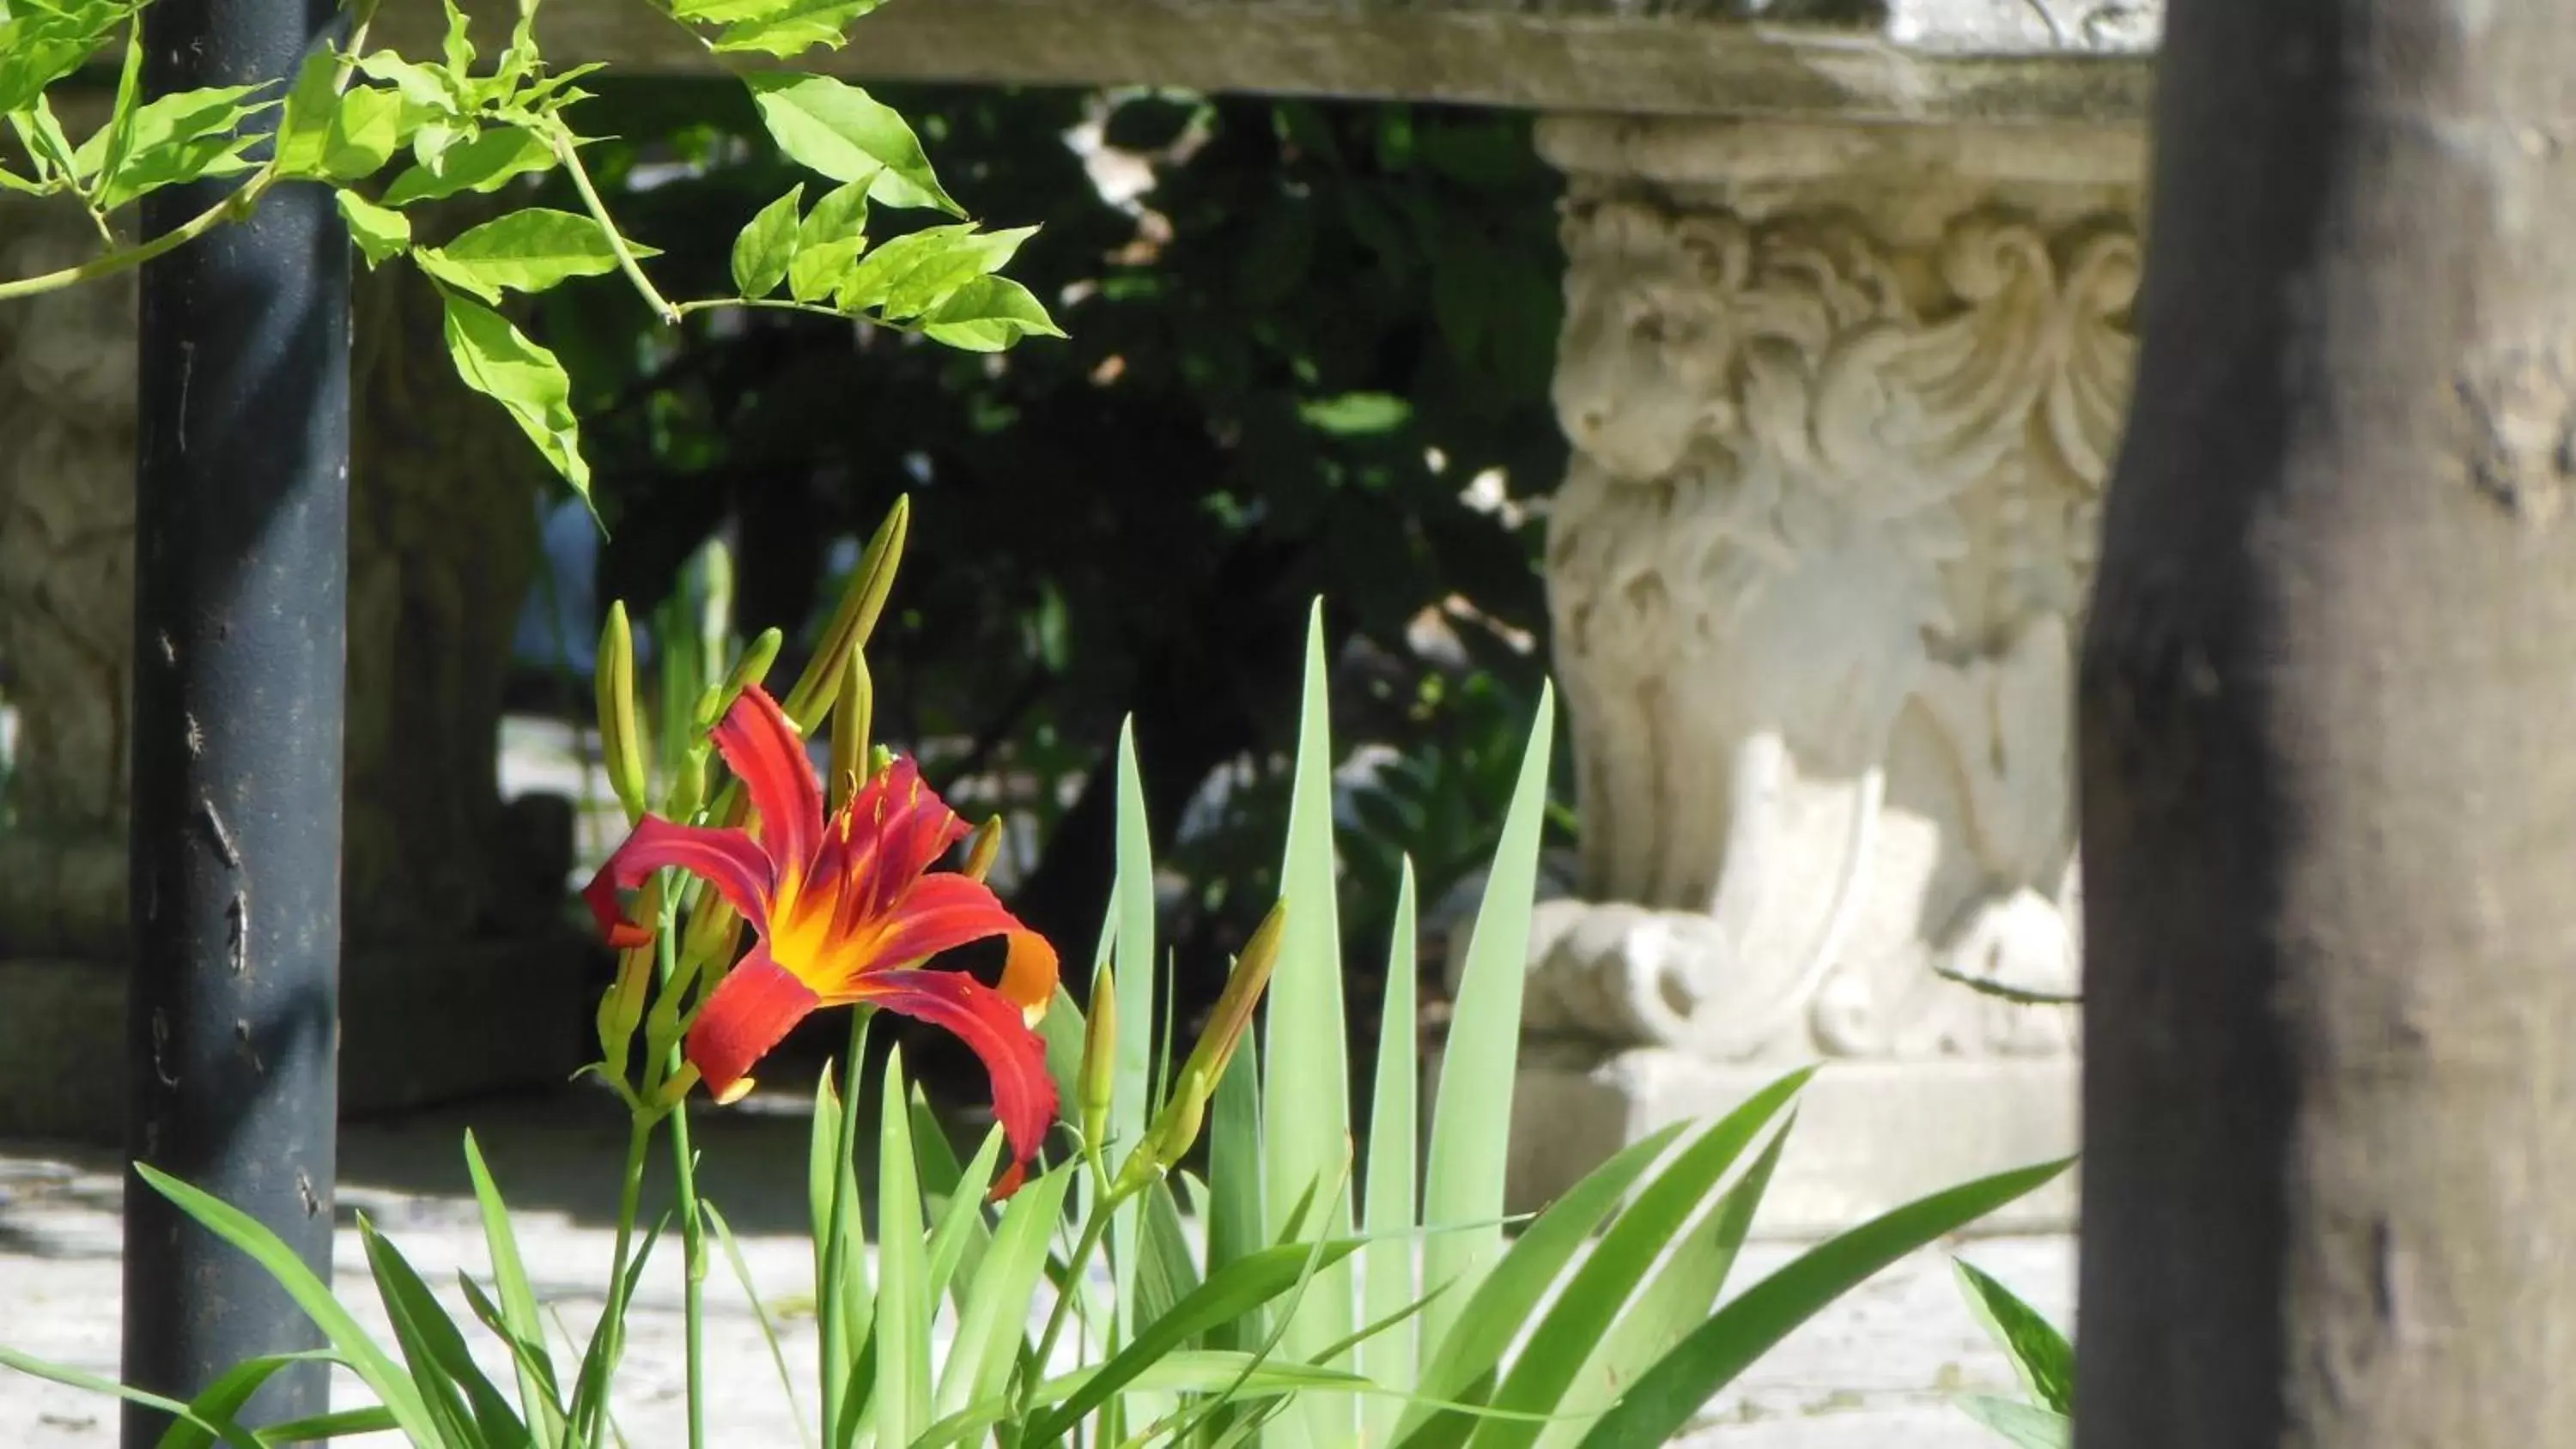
891, 831
1023, 1094
764, 749
939, 913
729, 860
751, 1010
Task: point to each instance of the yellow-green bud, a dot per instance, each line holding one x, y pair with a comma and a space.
851, 720
853, 621
688, 786
1098, 1078
620, 731
983, 848
753, 667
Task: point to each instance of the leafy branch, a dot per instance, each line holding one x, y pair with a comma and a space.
446, 126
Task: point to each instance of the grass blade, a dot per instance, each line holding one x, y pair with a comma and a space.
338, 1424
539, 1399
1677, 1299
213, 1412
2039, 1353
1665, 1397
362, 1354
1471, 1119
902, 1333
1386, 1265
1255, 1279
1585, 1312
759, 1315
214, 1430
1460, 1367
1133, 943
992, 1323
467, 1408
1306, 1124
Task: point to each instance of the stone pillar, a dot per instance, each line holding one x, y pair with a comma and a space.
459, 973
1843, 399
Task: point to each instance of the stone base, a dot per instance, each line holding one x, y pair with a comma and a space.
417, 1028
1870, 1135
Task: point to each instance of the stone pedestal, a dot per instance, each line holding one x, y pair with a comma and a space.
459, 974
1843, 399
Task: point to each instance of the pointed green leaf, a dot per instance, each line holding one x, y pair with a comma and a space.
1306, 1126
518, 1297
2024, 1426
451, 1384
1133, 943
179, 137
2039, 1353
1471, 1120
902, 1336
1665, 1397
785, 28
766, 245
818, 267
847, 134
483, 164
1386, 1268
311, 1294
961, 1219
525, 251
988, 314
1234, 1179
497, 360
207, 1429
381, 234
992, 1325
909, 275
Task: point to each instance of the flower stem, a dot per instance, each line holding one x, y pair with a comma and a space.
108, 264
630, 1197
1094, 1227
561, 140
693, 1232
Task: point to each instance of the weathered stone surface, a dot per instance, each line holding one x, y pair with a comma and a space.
1900, 60
1843, 400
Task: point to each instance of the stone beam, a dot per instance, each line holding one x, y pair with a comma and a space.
1901, 60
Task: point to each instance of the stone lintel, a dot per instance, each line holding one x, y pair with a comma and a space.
1903, 60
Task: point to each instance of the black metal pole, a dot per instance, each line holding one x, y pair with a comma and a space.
241, 573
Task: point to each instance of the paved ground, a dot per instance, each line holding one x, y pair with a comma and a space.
1878, 1371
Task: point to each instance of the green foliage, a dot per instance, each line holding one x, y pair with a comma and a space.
2042, 1358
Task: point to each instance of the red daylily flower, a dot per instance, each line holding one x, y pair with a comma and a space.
845, 911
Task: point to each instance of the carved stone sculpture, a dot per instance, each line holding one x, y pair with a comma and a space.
1843, 402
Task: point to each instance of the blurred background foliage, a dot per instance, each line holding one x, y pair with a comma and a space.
1309, 355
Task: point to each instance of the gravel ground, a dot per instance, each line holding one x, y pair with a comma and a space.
1878, 1370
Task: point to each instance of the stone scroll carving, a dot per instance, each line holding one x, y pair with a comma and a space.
1815, 577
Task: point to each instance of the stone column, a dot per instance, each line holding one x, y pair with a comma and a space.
459, 975
1843, 399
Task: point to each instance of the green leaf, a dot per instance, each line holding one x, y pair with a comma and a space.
213, 1411
310, 105
1234, 1178
2025, 1426
817, 268
1472, 1117
1665, 1396
902, 1336
310, 1293
961, 1227
43, 137
1132, 941
767, 245
1306, 1126
187, 1415
40, 45
992, 1324
1357, 414
483, 164
1459, 1365
913, 274
497, 360
1551, 1359
338, 1424
1242, 1285
1680, 1295
1386, 1267
760, 1315
848, 135
518, 1297
785, 28
988, 314
2039, 1353
525, 251
181, 137
840, 1255
459, 1397
381, 234
842, 212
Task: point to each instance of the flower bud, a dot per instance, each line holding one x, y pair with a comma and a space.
1099, 1075
983, 848
1234, 1006
752, 668
853, 621
620, 731
688, 786
851, 721
621, 1007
